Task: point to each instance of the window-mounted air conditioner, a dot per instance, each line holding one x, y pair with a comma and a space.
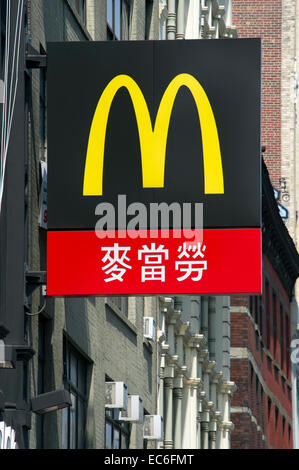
153, 427
149, 328
134, 412
7, 437
116, 395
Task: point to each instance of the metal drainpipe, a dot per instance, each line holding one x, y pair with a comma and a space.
181, 20
171, 20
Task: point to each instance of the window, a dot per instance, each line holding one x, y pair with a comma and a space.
80, 7
262, 407
121, 303
145, 441
269, 409
149, 6
74, 378
260, 320
283, 383
289, 434
282, 338
42, 111
118, 14
117, 433
2, 34
251, 375
256, 308
276, 417
275, 340
41, 378
276, 373
256, 385
251, 304
268, 313
288, 341
2, 55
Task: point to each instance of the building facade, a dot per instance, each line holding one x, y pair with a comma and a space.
276, 22
172, 353
204, 368
261, 339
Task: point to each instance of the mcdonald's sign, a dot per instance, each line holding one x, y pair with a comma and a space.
153, 142
161, 123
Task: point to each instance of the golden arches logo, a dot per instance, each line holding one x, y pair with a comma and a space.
153, 141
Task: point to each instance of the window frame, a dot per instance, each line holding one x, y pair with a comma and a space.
121, 303
41, 358
76, 4
111, 29
123, 428
81, 398
2, 37
42, 110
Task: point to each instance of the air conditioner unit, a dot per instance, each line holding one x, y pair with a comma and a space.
116, 395
149, 328
153, 427
7, 437
2, 430
134, 412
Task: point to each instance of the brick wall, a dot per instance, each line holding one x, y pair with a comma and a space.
260, 367
256, 18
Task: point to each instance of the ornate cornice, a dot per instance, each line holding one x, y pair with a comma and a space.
203, 355
182, 328
163, 12
207, 405
173, 316
164, 348
216, 377
226, 425
228, 387
277, 242
208, 367
216, 415
172, 360
167, 304
194, 382
197, 340
161, 336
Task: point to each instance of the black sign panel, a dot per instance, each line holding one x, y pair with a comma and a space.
196, 94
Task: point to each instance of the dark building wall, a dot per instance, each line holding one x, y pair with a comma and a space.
107, 336
260, 366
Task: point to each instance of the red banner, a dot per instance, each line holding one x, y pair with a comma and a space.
226, 261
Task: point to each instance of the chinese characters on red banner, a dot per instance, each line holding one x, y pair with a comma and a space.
153, 260
224, 261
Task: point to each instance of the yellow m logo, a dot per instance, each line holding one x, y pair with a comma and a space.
153, 142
